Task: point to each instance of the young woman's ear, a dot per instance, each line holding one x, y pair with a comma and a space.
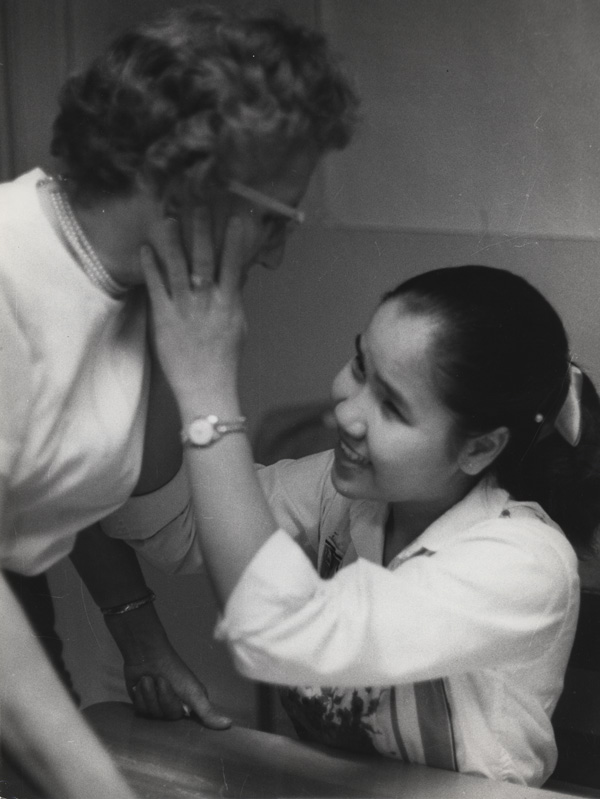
481, 451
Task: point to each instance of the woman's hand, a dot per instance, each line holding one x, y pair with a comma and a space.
161, 686
199, 327
196, 304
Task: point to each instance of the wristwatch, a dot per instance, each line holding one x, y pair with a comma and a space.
205, 430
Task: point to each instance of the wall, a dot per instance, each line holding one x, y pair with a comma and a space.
466, 114
478, 146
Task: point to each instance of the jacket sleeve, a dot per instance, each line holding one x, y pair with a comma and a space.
502, 587
160, 527
298, 492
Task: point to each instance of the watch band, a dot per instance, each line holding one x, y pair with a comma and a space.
205, 430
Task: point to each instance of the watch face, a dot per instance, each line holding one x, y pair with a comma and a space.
201, 432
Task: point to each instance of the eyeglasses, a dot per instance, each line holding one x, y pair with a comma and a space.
265, 201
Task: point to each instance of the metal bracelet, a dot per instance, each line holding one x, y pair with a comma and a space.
117, 610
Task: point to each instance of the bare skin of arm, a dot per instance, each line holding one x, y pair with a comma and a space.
158, 681
41, 727
201, 333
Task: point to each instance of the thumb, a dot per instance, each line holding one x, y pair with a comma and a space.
152, 276
199, 704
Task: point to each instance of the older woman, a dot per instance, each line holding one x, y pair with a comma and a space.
195, 110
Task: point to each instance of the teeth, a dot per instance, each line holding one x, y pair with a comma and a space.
350, 454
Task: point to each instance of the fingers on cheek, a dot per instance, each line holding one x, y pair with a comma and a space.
244, 235
148, 258
241, 233
164, 241
201, 223
172, 234
239, 247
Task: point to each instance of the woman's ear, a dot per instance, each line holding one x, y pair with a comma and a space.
481, 451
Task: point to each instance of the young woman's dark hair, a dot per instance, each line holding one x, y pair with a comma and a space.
502, 359
204, 89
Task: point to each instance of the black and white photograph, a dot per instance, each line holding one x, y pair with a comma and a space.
299, 399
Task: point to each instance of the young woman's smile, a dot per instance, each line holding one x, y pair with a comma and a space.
398, 440
347, 456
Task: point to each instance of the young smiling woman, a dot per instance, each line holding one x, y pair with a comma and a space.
419, 571
398, 442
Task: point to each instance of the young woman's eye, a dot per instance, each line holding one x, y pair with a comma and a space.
391, 410
358, 362
358, 367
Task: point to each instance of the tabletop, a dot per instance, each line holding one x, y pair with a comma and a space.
183, 760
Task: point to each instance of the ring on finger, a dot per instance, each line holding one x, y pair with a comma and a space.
139, 685
200, 282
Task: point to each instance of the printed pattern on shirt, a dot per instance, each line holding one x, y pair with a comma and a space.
331, 559
340, 718
410, 722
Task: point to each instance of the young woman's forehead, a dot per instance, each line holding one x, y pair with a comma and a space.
400, 345
406, 333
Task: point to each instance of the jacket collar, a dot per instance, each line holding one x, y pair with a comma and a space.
367, 529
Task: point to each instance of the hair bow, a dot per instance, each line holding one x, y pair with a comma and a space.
568, 421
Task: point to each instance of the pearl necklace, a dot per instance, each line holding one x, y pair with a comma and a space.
77, 241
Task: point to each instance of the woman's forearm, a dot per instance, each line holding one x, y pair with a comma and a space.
108, 567
198, 336
232, 514
41, 727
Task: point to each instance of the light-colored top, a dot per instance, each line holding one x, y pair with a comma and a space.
73, 388
463, 639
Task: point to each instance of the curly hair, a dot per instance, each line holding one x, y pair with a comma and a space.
201, 87
501, 358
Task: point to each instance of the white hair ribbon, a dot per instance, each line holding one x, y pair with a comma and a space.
568, 421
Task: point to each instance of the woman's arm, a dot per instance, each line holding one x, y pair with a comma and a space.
199, 337
157, 521
41, 727
158, 681
436, 616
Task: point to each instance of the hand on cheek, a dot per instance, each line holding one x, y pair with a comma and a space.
196, 306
